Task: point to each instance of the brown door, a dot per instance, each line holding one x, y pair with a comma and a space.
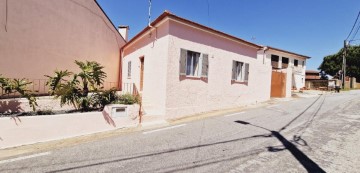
278, 84
141, 73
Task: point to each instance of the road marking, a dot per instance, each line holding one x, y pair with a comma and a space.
25, 157
166, 128
234, 114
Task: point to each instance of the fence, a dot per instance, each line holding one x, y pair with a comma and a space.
129, 88
39, 88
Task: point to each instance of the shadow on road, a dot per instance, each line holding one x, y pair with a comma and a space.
305, 161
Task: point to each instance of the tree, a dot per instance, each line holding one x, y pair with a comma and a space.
332, 64
20, 86
74, 89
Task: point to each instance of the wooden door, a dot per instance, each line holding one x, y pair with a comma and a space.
278, 84
141, 73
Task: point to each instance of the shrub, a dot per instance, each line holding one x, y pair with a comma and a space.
128, 99
103, 98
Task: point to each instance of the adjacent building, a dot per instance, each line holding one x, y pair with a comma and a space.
288, 71
37, 37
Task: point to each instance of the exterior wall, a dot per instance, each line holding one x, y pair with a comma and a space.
297, 80
154, 48
42, 36
191, 96
18, 131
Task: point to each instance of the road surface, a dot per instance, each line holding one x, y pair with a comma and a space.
318, 134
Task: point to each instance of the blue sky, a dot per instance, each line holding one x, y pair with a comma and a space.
310, 27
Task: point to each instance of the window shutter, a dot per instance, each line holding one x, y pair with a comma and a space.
205, 65
233, 70
183, 54
246, 72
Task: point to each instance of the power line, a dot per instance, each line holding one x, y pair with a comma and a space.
355, 33
353, 26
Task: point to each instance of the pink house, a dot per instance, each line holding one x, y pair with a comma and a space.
183, 68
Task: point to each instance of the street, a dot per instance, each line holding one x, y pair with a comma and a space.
315, 134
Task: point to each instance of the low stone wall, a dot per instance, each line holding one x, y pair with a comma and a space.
16, 131
22, 105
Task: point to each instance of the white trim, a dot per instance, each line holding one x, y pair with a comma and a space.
293, 56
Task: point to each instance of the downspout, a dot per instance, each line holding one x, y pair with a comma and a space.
265, 49
120, 69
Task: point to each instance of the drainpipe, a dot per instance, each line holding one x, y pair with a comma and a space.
264, 49
120, 69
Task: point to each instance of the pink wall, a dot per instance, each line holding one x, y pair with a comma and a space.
189, 96
42, 36
19, 131
153, 46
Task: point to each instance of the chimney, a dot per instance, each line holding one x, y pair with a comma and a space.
124, 31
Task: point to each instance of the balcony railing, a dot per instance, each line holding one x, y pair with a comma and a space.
275, 64
284, 65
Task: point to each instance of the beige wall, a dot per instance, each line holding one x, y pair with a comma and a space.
165, 94
42, 36
186, 97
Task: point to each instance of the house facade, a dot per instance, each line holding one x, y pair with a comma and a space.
38, 37
183, 68
288, 71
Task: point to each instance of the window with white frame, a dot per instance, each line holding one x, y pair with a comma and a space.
193, 64
240, 71
129, 70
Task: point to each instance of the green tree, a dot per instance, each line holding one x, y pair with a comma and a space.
20, 86
73, 89
332, 64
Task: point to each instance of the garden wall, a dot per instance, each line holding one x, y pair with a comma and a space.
16, 131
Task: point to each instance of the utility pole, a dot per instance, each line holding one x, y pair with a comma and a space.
344, 66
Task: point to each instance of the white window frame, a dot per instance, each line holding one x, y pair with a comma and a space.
190, 71
129, 70
239, 71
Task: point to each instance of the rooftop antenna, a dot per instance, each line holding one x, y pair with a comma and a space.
149, 24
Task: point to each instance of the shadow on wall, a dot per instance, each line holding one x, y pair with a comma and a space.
107, 117
10, 106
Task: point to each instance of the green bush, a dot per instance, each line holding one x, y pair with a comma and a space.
103, 98
128, 99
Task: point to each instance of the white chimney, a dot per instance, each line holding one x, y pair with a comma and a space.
124, 30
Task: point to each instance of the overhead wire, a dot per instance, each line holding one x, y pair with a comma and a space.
355, 33
353, 26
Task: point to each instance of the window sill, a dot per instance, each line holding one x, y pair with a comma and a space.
239, 82
183, 77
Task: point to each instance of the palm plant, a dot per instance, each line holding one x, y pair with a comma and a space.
20, 86
76, 90
91, 75
55, 82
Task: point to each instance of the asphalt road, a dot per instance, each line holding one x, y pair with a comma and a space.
318, 134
